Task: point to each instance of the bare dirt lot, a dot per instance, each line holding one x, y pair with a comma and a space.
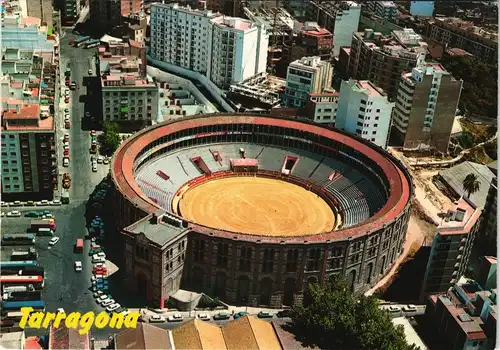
255, 205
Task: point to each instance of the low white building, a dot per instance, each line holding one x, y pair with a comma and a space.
364, 110
322, 107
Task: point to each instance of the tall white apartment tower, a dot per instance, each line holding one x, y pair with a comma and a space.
224, 49
364, 110
239, 50
182, 36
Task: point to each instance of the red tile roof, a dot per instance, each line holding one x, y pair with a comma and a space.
31, 111
399, 184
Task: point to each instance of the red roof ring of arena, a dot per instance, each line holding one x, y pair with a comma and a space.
400, 183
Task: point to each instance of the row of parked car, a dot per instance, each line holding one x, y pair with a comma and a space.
43, 214
44, 203
221, 316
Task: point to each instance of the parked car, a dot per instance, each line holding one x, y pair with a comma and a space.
409, 308
90, 72
78, 266
203, 317
222, 316
94, 168
67, 124
156, 319
284, 313
32, 214
239, 314
105, 161
66, 152
66, 100
175, 318
53, 241
264, 314
113, 307
56, 202
14, 214
108, 302
66, 162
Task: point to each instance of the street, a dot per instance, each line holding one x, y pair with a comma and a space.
65, 288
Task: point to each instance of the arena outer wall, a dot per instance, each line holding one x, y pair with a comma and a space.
250, 269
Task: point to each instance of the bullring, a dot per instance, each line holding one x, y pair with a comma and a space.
251, 253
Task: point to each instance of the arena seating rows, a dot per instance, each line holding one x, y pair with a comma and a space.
358, 197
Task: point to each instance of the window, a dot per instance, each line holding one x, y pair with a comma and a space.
313, 260
222, 254
245, 258
199, 250
378, 110
141, 252
292, 258
268, 261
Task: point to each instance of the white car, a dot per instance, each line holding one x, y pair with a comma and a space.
53, 241
40, 203
17, 204
47, 216
105, 161
156, 319
175, 318
394, 309
203, 317
94, 168
107, 302
14, 214
101, 298
98, 260
90, 72
100, 159
78, 266
101, 255
66, 94
66, 162
61, 311
3, 204
56, 202
113, 307
98, 265
409, 308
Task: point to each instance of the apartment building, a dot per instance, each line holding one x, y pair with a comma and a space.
40, 9
224, 49
29, 163
383, 9
239, 50
457, 33
70, 11
487, 235
426, 105
313, 40
341, 18
382, 59
464, 317
322, 107
422, 8
451, 247
306, 76
129, 98
110, 52
364, 109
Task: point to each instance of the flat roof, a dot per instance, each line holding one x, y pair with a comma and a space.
400, 185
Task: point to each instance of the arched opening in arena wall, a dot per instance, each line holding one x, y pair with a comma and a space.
369, 271
352, 279
243, 289
307, 295
266, 289
289, 290
220, 285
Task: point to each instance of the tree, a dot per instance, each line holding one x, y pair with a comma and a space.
335, 319
110, 138
471, 184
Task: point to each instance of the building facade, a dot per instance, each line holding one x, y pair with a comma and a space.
224, 49
341, 18
313, 40
422, 8
70, 11
487, 235
382, 60
425, 109
457, 33
451, 248
364, 110
305, 76
322, 107
383, 9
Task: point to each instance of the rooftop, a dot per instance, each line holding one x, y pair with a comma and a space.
369, 88
314, 29
461, 217
266, 16
144, 336
198, 334
65, 338
455, 175
233, 23
185, 9
13, 340
262, 86
465, 26
160, 232
124, 79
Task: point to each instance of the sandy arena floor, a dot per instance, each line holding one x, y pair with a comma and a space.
255, 205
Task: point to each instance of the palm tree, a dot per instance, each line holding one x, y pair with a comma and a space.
471, 184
